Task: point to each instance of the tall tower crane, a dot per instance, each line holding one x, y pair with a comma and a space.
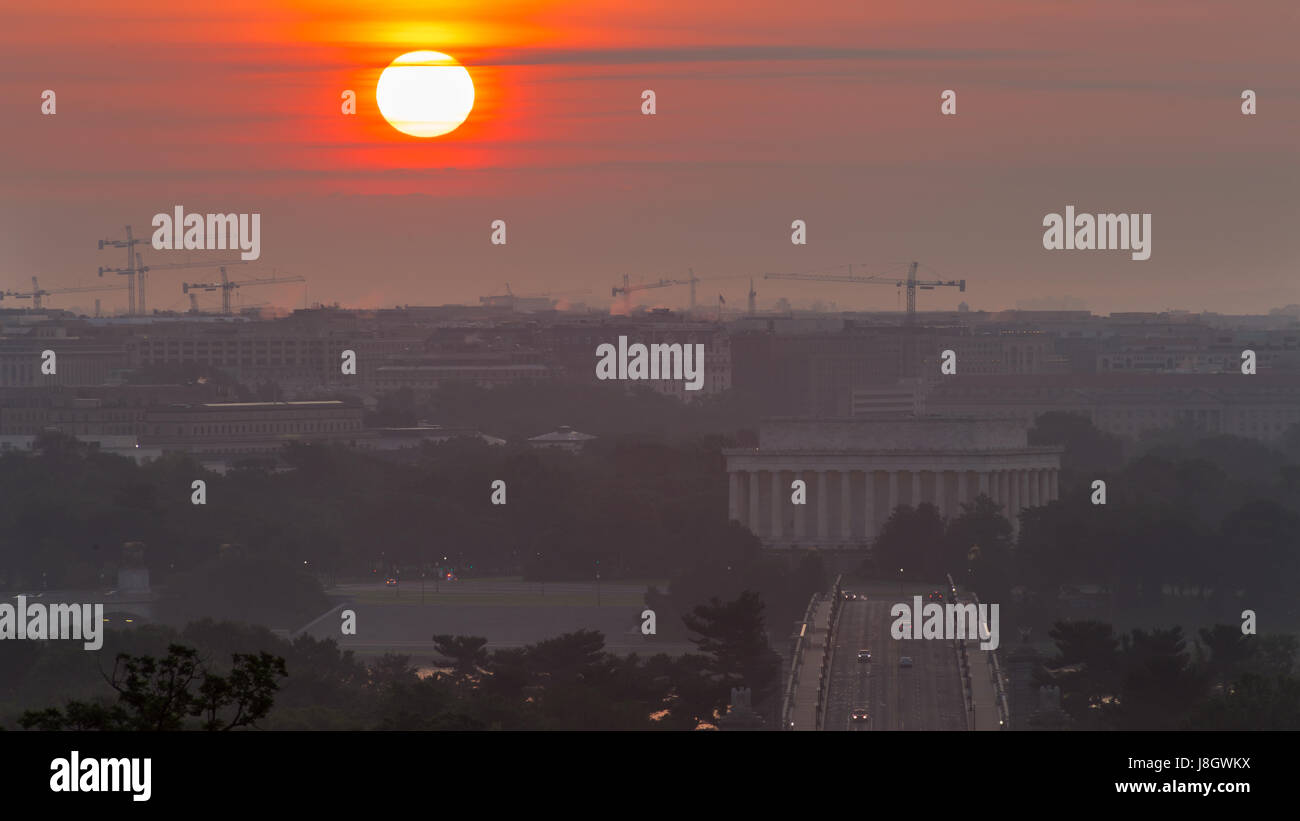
910, 282
37, 292
225, 286
626, 289
142, 269
139, 269
129, 271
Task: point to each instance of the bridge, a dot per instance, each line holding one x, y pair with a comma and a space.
948, 685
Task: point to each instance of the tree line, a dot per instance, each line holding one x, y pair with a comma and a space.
172, 680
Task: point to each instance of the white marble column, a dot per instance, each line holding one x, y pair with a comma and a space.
755, 523
893, 493
778, 505
823, 515
869, 504
1044, 487
733, 496
1025, 501
916, 488
963, 480
1013, 507
846, 506
940, 493
1052, 479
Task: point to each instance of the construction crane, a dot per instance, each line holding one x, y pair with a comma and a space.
225, 286
139, 269
129, 271
626, 289
37, 292
910, 282
142, 269
752, 298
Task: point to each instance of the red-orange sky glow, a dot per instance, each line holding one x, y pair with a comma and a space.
768, 111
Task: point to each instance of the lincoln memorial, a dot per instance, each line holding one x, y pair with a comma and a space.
856, 471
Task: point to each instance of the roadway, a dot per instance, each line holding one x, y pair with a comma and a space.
926, 696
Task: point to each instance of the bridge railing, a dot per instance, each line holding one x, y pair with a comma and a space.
995, 678
798, 646
828, 650
963, 666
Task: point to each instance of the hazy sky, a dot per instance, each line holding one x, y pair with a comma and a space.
768, 111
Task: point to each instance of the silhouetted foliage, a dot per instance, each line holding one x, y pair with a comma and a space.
164, 694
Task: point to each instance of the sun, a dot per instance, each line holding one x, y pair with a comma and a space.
425, 94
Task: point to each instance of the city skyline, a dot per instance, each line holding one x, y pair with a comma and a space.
829, 115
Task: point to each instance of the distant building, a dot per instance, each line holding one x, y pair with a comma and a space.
572, 346
425, 379
564, 438
905, 397
856, 471
241, 428
1261, 406
78, 361
415, 436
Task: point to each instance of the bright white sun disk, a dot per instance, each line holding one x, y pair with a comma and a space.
425, 94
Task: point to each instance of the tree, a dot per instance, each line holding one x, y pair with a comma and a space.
1229, 650
912, 539
161, 694
1259, 555
1088, 451
977, 549
1087, 655
1254, 703
467, 654
1160, 685
732, 635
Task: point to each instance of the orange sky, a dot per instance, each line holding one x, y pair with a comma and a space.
767, 111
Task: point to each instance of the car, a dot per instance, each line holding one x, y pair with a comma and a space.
937, 596
864, 655
905, 661
390, 581
859, 715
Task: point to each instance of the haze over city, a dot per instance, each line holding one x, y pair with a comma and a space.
569, 365
824, 113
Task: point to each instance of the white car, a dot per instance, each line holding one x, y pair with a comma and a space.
905, 661
864, 655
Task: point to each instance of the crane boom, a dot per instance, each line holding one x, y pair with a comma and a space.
910, 282
37, 292
227, 285
626, 289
